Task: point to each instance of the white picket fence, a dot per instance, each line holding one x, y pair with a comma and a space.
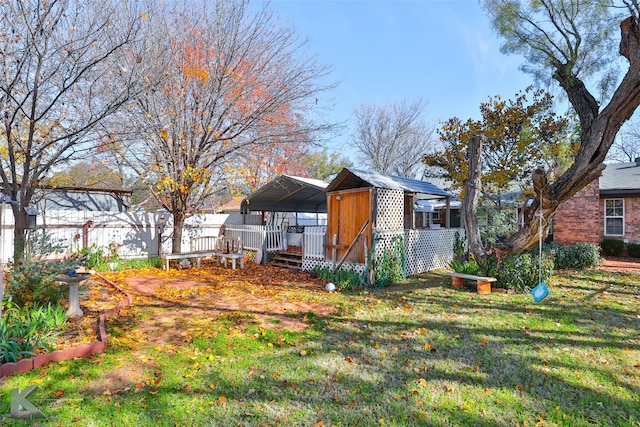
259, 237
130, 234
313, 241
135, 235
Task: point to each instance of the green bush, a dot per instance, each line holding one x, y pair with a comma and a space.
344, 278
390, 269
23, 331
612, 247
633, 249
133, 263
576, 255
465, 267
33, 283
521, 272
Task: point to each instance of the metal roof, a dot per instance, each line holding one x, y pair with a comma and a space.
350, 178
288, 194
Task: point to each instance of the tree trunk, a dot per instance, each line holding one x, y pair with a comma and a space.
19, 234
599, 130
471, 194
176, 240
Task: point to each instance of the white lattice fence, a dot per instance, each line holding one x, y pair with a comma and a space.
309, 264
429, 249
389, 210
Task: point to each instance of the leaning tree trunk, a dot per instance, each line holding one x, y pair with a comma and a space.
472, 188
598, 132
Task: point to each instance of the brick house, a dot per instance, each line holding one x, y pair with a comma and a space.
609, 208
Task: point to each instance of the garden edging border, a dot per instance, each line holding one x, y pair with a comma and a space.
83, 350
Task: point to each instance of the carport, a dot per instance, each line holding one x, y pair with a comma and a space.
288, 194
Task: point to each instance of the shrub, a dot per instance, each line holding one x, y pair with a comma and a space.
612, 247
465, 267
576, 255
633, 249
94, 257
344, 278
496, 224
24, 331
390, 269
521, 272
458, 247
33, 283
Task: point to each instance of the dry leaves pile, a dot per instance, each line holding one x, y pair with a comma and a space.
266, 292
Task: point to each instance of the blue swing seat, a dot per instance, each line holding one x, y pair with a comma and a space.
540, 292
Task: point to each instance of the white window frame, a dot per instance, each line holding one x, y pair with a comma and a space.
614, 216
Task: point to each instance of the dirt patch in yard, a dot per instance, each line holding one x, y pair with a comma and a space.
166, 305
269, 295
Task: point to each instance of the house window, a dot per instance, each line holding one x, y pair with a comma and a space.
614, 217
436, 215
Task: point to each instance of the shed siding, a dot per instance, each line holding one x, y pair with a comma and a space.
348, 211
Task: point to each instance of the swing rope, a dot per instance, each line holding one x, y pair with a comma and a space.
540, 243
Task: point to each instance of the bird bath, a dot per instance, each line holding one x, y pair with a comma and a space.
73, 280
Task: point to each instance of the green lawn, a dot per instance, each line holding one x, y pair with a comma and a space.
420, 353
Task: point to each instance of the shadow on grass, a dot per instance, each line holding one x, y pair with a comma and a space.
416, 354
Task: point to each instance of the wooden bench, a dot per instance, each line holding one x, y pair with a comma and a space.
230, 248
200, 247
483, 283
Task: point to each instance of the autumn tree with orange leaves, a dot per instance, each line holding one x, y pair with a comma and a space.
228, 82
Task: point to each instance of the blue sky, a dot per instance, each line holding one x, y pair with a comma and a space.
443, 51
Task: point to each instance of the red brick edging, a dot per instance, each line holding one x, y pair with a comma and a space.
83, 350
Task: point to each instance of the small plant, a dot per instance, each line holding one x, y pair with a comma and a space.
23, 331
458, 247
41, 243
465, 267
133, 263
390, 269
343, 278
94, 257
521, 272
633, 249
612, 247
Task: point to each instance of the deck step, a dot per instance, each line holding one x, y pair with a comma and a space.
287, 260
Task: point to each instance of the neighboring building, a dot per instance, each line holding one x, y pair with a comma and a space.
609, 208
82, 199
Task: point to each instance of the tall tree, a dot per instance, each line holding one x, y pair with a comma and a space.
563, 40
324, 165
65, 67
518, 136
393, 138
261, 163
227, 78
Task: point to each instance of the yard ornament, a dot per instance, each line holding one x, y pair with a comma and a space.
330, 287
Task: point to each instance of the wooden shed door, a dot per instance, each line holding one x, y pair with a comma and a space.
348, 211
